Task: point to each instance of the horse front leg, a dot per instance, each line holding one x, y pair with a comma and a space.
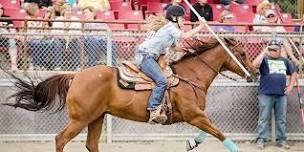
200, 120
94, 133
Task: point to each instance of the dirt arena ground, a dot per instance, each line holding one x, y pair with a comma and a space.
166, 146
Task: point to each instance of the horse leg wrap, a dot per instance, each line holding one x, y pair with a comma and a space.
193, 143
231, 146
201, 137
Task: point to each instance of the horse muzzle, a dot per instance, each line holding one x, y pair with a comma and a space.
253, 77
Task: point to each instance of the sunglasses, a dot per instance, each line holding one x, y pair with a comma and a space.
273, 50
270, 16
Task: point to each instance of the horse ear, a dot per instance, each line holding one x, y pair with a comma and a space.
228, 41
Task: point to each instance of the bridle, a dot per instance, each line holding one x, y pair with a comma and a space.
238, 56
195, 85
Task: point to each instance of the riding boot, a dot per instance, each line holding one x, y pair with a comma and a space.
157, 117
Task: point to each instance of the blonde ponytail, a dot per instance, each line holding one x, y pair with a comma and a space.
156, 22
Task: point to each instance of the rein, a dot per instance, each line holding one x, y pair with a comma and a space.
209, 66
194, 85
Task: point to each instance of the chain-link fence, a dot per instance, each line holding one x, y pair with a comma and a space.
73, 52
232, 106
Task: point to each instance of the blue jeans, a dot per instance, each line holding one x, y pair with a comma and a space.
151, 68
266, 103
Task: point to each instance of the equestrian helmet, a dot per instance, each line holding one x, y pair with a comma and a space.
173, 12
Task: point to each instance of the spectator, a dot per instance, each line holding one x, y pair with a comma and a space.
36, 42
57, 7
44, 4
174, 3
272, 18
6, 41
49, 15
4, 21
96, 45
203, 9
273, 91
260, 16
226, 17
98, 5
227, 3
67, 46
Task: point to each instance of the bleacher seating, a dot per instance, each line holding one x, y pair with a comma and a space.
119, 5
109, 16
164, 1
243, 13
11, 4
16, 14
154, 8
187, 10
42, 12
253, 2
131, 16
122, 10
213, 1
216, 9
287, 19
78, 14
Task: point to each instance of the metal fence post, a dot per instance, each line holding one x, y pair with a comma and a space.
109, 63
301, 40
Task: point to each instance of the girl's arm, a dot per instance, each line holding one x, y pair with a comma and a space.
192, 32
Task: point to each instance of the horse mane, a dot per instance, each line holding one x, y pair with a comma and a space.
194, 46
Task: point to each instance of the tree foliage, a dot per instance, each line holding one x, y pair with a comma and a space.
288, 6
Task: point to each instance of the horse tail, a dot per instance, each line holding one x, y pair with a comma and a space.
41, 97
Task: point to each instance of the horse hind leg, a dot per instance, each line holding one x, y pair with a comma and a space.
73, 128
94, 133
201, 121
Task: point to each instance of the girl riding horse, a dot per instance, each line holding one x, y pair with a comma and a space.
148, 52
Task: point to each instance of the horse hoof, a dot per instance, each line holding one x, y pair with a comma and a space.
190, 144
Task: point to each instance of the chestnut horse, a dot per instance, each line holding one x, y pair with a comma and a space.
90, 94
